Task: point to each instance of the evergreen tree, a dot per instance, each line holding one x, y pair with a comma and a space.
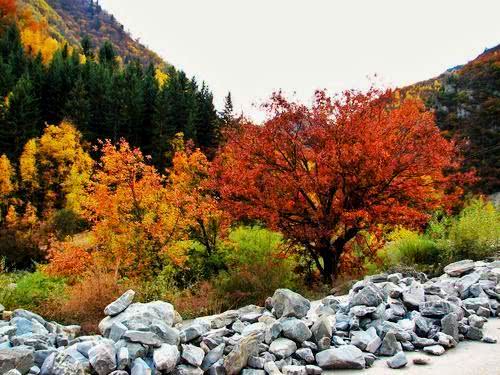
107, 55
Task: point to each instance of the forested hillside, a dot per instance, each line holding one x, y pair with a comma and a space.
466, 100
70, 20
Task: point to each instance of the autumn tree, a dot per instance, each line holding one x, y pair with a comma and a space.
55, 169
6, 184
135, 218
347, 165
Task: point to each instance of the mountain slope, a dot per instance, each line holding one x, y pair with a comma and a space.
71, 20
466, 100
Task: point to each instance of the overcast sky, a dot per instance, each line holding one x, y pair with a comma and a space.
254, 47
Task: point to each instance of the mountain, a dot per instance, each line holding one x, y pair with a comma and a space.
71, 20
466, 100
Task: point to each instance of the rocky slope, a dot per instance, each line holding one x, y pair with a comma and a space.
383, 316
70, 20
466, 100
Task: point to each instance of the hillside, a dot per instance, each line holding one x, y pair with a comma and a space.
466, 100
70, 20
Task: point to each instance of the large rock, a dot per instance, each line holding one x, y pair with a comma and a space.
436, 309
459, 268
344, 357
124, 301
449, 326
102, 357
212, 357
61, 364
295, 329
237, 359
143, 314
16, 358
143, 337
390, 345
398, 361
414, 296
290, 304
192, 355
366, 340
370, 295
166, 357
282, 347
322, 328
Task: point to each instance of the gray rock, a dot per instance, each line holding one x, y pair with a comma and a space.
237, 359
143, 337
313, 370
306, 354
102, 358
282, 347
322, 328
124, 301
259, 328
271, 368
61, 364
366, 340
188, 370
167, 334
398, 361
224, 319
117, 331
464, 284
290, 304
139, 367
421, 361
362, 310
414, 296
122, 358
449, 325
145, 313
489, 340
193, 355
474, 333
251, 371
273, 330
212, 357
344, 357
390, 345
294, 370
16, 358
434, 350
370, 295
295, 329
13, 372
459, 268
166, 357
192, 332
435, 308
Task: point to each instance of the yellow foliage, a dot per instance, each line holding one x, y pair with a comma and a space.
161, 77
6, 174
37, 41
28, 167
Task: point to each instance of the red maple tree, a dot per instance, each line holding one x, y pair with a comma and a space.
348, 164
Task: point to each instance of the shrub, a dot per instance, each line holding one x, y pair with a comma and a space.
474, 233
84, 302
29, 290
256, 267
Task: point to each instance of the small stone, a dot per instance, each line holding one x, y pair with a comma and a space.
449, 325
370, 295
143, 337
435, 308
434, 350
271, 368
489, 340
474, 333
237, 359
187, 370
398, 361
295, 329
306, 354
390, 345
139, 367
313, 370
421, 361
294, 370
212, 357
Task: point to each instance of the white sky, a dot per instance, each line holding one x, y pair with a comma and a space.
254, 47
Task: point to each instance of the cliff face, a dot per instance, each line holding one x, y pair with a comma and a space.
70, 20
466, 100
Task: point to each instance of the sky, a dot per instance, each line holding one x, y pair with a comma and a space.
255, 47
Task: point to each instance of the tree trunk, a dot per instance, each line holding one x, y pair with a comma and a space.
331, 253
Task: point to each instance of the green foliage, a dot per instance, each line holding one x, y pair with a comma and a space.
66, 222
256, 267
473, 234
29, 290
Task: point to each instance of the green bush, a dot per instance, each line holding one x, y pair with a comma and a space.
473, 234
256, 267
29, 290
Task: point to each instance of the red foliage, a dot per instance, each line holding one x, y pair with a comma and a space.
322, 175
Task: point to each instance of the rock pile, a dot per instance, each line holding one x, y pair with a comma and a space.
383, 316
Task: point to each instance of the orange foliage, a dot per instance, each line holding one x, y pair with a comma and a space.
68, 260
7, 10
